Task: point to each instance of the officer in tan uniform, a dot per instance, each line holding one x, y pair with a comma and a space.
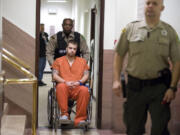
151, 86
57, 44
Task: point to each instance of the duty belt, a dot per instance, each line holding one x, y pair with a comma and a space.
146, 82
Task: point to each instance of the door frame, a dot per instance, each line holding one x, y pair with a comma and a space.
38, 3
101, 50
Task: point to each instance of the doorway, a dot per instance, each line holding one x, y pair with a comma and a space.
52, 14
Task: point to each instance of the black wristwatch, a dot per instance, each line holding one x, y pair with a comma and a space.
173, 88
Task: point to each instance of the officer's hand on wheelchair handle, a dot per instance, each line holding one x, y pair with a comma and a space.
117, 88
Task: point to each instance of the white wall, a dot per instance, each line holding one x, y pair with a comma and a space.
64, 10
171, 14
82, 16
80, 6
109, 23
77, 10
22, 13
126, 12
117, 14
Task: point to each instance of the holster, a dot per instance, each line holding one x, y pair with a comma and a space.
166, 76
136, 84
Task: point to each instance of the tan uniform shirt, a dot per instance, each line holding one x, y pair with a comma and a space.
148, 49
52, 44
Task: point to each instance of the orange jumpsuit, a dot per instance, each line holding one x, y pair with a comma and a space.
79, 93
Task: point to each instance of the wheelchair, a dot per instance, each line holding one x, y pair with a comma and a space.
53, 109
54, 112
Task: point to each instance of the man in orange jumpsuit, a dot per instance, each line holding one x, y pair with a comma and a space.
69, 72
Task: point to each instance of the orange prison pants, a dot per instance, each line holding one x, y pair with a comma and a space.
80, 94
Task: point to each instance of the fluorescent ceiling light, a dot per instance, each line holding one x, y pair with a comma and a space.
57, 1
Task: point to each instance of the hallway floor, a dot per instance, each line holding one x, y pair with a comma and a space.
43, 131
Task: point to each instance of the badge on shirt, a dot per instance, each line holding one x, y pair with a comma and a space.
164, 32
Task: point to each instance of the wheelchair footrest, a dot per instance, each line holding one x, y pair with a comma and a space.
65, 121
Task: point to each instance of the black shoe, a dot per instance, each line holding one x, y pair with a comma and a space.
41, 83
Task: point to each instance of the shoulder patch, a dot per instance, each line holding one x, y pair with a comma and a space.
124, 30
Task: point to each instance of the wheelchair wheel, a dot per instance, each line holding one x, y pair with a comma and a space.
86, 128
56, 117
50, 107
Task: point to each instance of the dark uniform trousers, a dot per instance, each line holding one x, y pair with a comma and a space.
144, 96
